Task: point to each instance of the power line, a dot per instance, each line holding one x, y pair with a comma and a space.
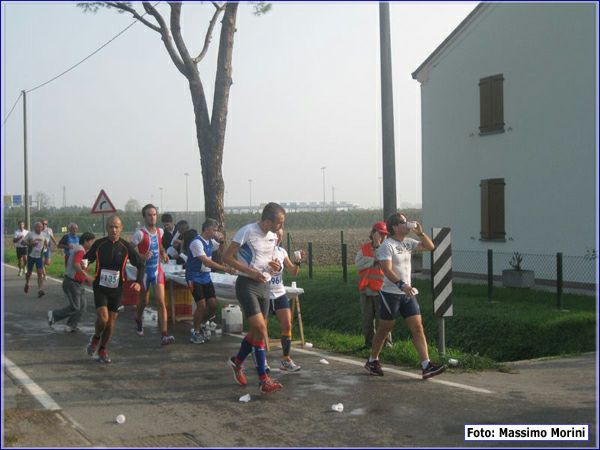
91, 54
12, 109
77, 64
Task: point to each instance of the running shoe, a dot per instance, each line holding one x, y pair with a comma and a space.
238, 372
166, 340
103, 356
70, 329
92, 345
51, 319
269, 385
19, 274
139, 327
41, 293
205, 332
289, 365
374, 368
432, 370
26, 288
197, 337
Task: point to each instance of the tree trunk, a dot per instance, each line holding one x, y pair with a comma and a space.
211, 132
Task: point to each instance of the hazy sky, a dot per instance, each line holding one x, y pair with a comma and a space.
306, 94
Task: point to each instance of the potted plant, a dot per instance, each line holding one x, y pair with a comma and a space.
517, 277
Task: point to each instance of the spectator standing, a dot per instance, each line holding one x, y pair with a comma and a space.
370, 282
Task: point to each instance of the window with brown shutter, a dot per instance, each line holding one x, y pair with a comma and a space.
492, 209
491, 105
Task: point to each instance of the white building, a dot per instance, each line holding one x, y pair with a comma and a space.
509, 143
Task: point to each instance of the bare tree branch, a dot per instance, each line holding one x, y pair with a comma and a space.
124, 7
208, 36
178, 38
166, 38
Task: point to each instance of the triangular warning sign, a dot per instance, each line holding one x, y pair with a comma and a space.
103, 205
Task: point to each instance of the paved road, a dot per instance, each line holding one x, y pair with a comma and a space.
184, 394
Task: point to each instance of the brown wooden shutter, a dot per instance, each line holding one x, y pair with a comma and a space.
491, 104
492, 209
485, 222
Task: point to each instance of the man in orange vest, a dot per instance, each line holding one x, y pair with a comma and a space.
370, 282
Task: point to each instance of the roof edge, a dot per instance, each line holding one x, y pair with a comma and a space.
416, 75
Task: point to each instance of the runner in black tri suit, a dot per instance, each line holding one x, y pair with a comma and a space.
111, 254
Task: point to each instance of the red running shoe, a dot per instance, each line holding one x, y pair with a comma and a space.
238, 372
269, 385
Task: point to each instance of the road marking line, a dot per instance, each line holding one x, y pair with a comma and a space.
34, 389
355, 363
387, 369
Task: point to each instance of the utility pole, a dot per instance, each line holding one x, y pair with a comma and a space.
388, 157
161, 200
64, 202
27, 205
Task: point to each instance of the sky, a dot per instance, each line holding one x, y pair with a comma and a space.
305, 95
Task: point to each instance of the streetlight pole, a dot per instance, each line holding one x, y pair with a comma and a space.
187, 205
161, 199
323, 169
250, 191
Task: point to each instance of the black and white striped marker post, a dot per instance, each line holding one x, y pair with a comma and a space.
441, 281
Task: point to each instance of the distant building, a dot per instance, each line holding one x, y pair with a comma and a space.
297, 207
509, 136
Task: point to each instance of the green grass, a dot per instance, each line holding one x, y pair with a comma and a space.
518, 324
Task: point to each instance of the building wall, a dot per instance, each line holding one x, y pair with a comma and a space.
547, 156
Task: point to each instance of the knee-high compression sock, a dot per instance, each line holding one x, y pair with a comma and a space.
286, 342
260, 358
245, 350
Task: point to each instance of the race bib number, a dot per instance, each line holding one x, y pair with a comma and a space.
276, 280
109, 278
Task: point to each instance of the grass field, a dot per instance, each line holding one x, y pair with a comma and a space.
519, 324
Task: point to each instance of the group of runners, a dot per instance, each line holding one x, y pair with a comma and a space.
255, 254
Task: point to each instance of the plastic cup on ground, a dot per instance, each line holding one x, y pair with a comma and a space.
324, 361
120, 419
245, 398
452, 362
308, 345
338, 407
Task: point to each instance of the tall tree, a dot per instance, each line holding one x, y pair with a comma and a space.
210, 127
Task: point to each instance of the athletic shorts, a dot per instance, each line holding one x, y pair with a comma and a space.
202, 291
21, 251
252, 295
393, 305
38, 262
278, 303
111, 300
153, 280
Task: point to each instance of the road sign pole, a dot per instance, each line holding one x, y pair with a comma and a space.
442, 336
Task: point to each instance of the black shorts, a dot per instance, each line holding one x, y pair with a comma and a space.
253, 296
111, 300
21, 251
393, 305
202, 291
279, 303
